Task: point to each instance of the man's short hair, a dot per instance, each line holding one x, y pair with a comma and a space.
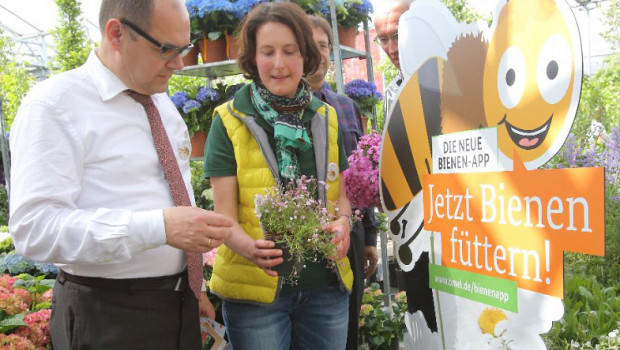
321, 23
138, 12
288, 14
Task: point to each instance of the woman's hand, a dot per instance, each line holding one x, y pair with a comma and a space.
265, 256
341, 228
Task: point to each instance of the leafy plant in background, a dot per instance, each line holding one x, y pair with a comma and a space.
196, 106
350, 13
4, 205
24, 312
72, 44
212, 19
203, 194
365, 94
15, 81
380, 326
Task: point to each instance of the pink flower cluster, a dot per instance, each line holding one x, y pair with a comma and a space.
362, 178
38, 331
15, 342
209, 257
15, 301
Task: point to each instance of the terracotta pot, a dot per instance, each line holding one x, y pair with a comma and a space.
198, 144
346, 36
191, 59
232, 50
212, 50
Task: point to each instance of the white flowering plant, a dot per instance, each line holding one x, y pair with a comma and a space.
293, 217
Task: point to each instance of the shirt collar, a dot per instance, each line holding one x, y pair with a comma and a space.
106, 82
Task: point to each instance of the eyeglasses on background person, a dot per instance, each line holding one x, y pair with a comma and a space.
384, 40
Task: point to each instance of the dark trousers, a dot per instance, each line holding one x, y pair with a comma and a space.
86, 317
356, 257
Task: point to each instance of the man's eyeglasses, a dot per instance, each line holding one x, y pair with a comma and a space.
384, 40
168, 52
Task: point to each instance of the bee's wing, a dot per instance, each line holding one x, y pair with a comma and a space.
426, 30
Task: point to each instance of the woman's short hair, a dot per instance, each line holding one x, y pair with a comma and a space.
319, 22
287, 13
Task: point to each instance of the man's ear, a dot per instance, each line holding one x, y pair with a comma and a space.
114, 31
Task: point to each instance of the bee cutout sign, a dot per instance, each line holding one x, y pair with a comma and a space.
480, 232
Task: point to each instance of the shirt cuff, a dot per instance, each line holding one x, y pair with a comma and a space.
147, 229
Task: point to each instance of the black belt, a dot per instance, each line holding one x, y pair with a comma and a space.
177, 283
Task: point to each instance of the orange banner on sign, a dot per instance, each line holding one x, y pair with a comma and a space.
516, 225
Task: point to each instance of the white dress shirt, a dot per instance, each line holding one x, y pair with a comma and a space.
88, 190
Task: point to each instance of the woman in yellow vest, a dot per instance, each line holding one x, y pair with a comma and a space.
275, 131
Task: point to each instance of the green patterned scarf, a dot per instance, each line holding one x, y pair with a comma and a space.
284, 115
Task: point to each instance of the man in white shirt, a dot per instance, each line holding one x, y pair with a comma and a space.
387, 14
89, 191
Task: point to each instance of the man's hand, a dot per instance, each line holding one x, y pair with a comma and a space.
206, 308
370, 260
194, 229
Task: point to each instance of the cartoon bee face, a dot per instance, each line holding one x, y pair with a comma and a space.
532, 79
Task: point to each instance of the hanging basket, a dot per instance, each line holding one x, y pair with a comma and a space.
212, 50
232, 50
346, 36
198, 144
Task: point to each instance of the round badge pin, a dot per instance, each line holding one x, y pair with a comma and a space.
332, 172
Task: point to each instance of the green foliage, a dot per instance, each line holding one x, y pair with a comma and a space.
15, 81
72, 44
10, 322
380, 326
463, 12
202, 187
592, 311
612, 23
36, 286
4, 206
6, 246
599, 99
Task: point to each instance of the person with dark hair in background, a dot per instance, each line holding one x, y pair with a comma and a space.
251, 147
101, 184
363, 250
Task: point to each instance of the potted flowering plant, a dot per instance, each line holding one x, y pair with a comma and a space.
381, 327
293, 217
196, 106
361, 179
214, 24
365, 94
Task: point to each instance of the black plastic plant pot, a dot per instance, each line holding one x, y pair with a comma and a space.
290, 264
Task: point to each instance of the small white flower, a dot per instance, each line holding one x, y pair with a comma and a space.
613, 334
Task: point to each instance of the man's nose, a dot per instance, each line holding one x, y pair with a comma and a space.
176, 63
393, 46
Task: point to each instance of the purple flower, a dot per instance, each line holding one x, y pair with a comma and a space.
206, 93
179, 98
362, 177
191, 106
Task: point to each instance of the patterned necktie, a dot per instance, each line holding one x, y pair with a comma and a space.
175, 180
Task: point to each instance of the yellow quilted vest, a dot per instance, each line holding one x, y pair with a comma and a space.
235, 277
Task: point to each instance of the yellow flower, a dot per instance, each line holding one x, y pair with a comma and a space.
365, 309
489, 318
